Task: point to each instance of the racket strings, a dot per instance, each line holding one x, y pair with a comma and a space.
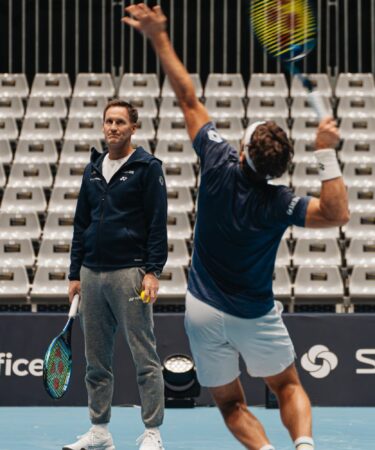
58, 368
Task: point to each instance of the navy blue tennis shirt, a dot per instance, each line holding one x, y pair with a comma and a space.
238, 230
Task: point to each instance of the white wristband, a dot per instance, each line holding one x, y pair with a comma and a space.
328, 165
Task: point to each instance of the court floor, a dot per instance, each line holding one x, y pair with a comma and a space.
32, 428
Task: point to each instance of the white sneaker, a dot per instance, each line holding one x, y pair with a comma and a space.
92, 440
150, 440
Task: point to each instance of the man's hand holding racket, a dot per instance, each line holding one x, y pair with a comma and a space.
74, 288
150, 287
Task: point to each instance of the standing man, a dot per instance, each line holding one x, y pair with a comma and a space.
119, 248
230, 309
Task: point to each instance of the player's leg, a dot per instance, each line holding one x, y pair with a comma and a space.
295, 408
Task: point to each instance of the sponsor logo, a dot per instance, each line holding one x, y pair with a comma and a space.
123, 178
361, 357
319, 361
292, 205
214, 136
20, 367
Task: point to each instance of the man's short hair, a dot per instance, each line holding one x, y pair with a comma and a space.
133, 113
270, 149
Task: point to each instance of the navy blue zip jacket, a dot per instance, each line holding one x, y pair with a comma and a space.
122, 223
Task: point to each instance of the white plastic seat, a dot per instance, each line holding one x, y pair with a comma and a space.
178, 226
230, 127
302, 108
84, 129
313, 284
362, 284
19, 225
317, 253
69, 175
16, 252
46, 108
179, 200
304, 151
361, 252
94, 85
359, 175
3, 178
225, 108
306, 175
319, 81
283, 254
224, 85
281, 286
13, 85
87, 107
167, 90
59, 225
360, 225
63, 199
170, 108
8, 129
145, 106
356, 107
358, 151
51, 85
6, 154
11, 107
139, 85
175, 152
179, 175
178, 254
302, 191
54, 253
50, 283
135, 142
361, 199
315, 233
304, 129
145, 129
357, 128
267, 85
30, 151
355, 84
39, 129
30, 175
172, 130
172, 283
24, 200
78, 152
263, 108
14, 283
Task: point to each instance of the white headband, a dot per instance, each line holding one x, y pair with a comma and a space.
247, 139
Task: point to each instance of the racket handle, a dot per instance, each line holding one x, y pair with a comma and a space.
317, 103
74, 307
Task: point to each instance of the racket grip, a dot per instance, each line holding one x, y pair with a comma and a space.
317, 103
74, 307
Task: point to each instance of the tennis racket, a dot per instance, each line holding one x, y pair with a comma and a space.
286, 29
57, 365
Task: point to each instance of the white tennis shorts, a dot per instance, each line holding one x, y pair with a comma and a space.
217, 339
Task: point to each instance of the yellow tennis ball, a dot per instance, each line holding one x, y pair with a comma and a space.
144, 298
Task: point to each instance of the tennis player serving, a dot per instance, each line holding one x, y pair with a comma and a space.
230, 308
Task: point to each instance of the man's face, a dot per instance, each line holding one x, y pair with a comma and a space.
117, 127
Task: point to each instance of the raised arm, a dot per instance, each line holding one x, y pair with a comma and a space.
331, 210
152, 23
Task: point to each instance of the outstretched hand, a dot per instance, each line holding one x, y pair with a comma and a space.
150, 22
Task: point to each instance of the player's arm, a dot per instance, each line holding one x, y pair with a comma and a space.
331, 209
152, 23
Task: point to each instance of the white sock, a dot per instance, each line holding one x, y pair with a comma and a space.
101, 427
304, 443
267, 447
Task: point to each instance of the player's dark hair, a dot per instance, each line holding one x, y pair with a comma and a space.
270, 149
133, 113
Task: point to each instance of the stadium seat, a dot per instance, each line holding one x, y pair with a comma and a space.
30, 175
39, 129
145, 129
267, 85
306, 175
224, 85
360, 225
30, 151
145, 106
14, 284
172, 130
54, 253
266, 108
78, 152
11, 107
87, 107
16, 252
319, 81
175, 152
317, 253
304, 128
357, 128
281, 286
50, 283
172, 283
135, 142
362, 284
302, 191
359, 175
46, 108
167, 90
361, 252
170, 108
178, 254
302, 108
356, 107
178, 226
23, 200
8, 129
361, 199
19, 225
179, 175
230, 128
179, 200
283, 254
13, 85
304, 151
59, 225
6, 154
222, 108
69, 175
63, 199
84, 129
51, 85
355, 84
358, 151
315, 233
94, 85
139, 85
3, 178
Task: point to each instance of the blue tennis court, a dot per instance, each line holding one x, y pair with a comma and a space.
200, 428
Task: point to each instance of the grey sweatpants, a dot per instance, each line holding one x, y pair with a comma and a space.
110, 300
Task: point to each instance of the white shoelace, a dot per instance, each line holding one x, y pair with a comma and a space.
152, 435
